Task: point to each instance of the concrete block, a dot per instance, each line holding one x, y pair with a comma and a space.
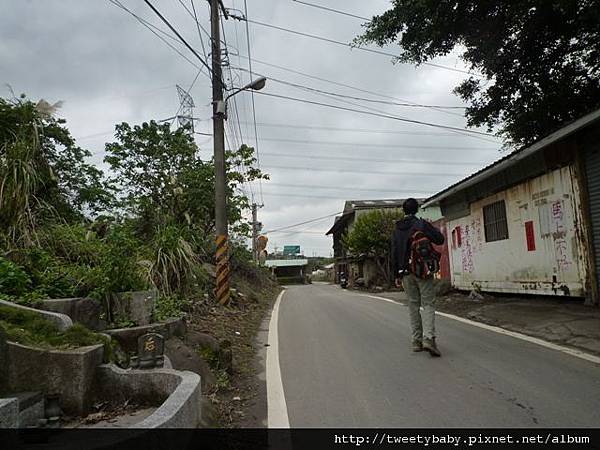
180, 393
137, 306
68, 373
9, 413
127, 337
85, 311
61, 320
3, 359
31, 408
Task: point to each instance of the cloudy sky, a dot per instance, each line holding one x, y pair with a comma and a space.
108, 68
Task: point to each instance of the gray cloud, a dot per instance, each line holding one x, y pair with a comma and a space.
108, 68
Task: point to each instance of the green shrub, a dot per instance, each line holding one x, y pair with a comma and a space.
13, 279
75, 262
120, 270
170, 307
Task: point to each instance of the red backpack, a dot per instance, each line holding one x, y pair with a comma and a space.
424, 259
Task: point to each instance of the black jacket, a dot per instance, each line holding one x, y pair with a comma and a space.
401, 240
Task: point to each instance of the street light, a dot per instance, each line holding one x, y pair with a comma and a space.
255, 85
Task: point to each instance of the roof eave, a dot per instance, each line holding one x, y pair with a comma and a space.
514, 157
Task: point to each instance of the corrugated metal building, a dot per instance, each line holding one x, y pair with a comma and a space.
530, 222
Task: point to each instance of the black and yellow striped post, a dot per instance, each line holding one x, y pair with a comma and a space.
222, 254
222, 283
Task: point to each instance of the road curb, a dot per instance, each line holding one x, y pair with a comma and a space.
277, 414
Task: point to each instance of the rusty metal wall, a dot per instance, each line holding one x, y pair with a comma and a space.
592, 171
545, 251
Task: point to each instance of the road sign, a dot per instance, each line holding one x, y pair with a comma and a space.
291, 250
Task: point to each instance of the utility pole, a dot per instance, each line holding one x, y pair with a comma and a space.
222, 253
254, 232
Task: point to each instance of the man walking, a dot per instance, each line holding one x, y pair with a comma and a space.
416, 280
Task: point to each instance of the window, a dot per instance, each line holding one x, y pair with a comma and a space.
494, 221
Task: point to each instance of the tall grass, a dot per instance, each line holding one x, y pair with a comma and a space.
173, 262
24, 172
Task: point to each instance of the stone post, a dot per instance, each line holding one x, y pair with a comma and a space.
3, 361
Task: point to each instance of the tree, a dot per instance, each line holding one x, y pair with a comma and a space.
43, 174
163, 181
538, 58
168, 193
371, 235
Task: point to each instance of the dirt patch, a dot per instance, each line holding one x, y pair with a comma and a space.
461, 304
234, 327
111, 413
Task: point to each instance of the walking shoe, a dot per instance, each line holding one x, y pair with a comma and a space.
430, 346
417, 346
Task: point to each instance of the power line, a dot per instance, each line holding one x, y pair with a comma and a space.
371, 160
144, 21
204, 63
365, 145
292, 232
198, 26
325, 197
345, 188
337, 83
406, 103
362, 99
333, 41
341, 100
244, 104
333, 10
387, 116
304, 223
236, 117
233, 99
437, 174
372, 146
151, 27
354, 130
252, 97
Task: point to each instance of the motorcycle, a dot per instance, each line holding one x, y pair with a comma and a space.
343, 281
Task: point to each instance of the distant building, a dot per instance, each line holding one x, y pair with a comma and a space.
325, 274
288, 270
362, 266
530, 222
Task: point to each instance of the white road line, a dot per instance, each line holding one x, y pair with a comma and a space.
569, 351
277, 413
383, 298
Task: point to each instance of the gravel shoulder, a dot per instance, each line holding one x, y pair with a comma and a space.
236, 397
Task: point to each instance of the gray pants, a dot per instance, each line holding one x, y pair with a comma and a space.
420, 292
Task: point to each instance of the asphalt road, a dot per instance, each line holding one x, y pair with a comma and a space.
346, 361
